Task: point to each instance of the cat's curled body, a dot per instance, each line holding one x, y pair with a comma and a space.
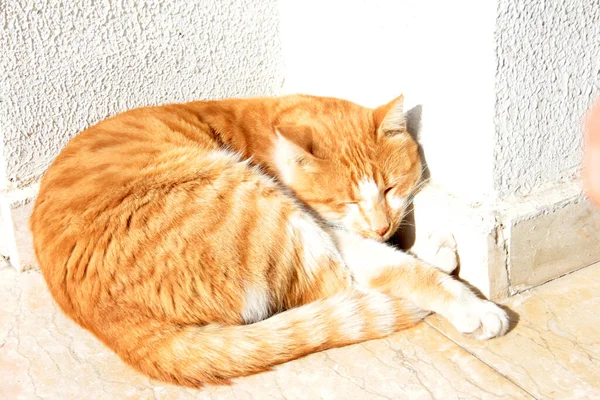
209, 240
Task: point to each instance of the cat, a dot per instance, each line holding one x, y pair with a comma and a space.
215, 239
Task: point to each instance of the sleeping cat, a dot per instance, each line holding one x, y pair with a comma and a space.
214, 239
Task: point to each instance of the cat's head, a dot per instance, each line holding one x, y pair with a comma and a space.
355, 166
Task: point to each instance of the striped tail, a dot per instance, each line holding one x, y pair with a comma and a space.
193, 355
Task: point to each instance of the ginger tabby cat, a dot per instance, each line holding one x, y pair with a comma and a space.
214, 239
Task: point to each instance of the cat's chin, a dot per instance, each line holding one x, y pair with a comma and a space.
374, 236
382, 239
364, 234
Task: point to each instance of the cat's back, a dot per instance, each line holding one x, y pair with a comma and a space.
125, 150
133, 164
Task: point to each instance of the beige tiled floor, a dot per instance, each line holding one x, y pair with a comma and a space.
554, 352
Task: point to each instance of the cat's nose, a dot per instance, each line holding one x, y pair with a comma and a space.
381, 231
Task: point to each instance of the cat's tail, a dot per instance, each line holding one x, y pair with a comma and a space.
193, 355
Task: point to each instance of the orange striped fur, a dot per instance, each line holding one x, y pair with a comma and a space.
215, 239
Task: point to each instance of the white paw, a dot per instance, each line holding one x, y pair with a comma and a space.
439, 250
480, 319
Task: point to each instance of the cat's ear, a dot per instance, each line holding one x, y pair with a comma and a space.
294, 147
389, 118
299, 136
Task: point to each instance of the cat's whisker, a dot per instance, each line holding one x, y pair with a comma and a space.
420, 185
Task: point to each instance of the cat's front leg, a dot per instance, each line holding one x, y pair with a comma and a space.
383, 268
437, 249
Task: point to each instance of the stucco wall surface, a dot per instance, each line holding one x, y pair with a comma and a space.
548, 73
67, 64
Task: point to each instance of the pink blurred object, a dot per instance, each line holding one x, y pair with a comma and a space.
591, 159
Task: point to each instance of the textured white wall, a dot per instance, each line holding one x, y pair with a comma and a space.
548, 73
439, 53
67, 64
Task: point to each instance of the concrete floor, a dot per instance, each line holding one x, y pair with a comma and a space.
553, 353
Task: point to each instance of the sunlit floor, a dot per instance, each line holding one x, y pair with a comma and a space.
553, 353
